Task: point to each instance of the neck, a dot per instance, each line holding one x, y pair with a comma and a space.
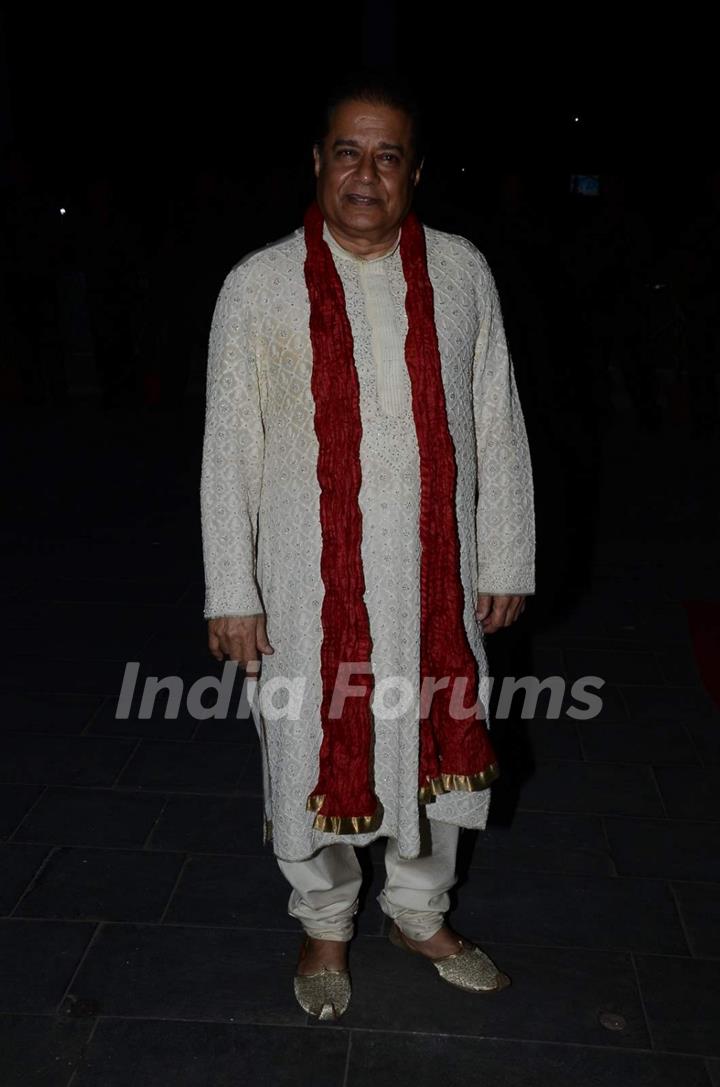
365, 248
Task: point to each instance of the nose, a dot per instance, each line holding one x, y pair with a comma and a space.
366, 169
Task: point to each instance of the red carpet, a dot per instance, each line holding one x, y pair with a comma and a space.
704, 623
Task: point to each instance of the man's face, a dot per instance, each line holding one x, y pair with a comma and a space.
365, 172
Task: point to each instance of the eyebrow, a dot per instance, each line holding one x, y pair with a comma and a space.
384, 146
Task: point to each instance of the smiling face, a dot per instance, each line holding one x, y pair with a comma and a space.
366, 174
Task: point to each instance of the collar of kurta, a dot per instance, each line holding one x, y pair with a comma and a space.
455, 752
338, 251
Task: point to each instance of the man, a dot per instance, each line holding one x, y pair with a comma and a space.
367, 508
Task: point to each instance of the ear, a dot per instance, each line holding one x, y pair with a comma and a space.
317, 159
417, 171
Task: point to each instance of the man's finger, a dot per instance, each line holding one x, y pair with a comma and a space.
499, 612
261, 637
505, 611
214, 644
519, 609
484, 605
494, 620
240, 647
508, 613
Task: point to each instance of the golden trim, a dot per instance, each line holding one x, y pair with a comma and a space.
267, 830
343, 824
463, 783
315, 802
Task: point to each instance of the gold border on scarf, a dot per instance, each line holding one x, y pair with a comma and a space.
462, 783
343, 824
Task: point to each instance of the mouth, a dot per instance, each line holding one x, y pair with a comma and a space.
361, 201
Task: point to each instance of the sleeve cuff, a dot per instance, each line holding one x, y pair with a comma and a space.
219, 605
506, 580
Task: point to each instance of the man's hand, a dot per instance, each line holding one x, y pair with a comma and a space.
241, 638
494, 612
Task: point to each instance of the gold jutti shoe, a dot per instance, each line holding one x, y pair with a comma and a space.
469, 969
326, 994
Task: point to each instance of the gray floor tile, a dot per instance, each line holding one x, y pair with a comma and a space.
682, 1002
425, 1059
540, 841
623, 914
592, 787
15, 802
548, 740
40, 1049
67, 714
125, 628
103, 885
185, 767
91, 817
39, 959
705, 733
103, 678
18, 865
666, 849
159, 726
611, 708
62, 760
152, 1052
657, 703
699, 905
211, 825
656, 742
213, 974
678, 666
690, 792
629, 667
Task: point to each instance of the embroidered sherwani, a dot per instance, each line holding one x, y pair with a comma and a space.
260, 503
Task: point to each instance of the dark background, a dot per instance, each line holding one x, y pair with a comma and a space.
152, 97
145, 151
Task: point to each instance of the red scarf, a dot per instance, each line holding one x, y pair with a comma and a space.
454, 754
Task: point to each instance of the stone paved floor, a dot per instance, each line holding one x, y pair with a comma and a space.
145, 938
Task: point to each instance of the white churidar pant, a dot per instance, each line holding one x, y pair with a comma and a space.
325, 887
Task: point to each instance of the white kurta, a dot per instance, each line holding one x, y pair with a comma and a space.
260, 501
